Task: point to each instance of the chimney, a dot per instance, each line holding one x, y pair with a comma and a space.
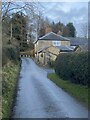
59, 33
48, 29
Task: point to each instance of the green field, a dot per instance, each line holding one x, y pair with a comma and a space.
78, 91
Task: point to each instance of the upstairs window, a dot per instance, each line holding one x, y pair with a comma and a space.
56, 43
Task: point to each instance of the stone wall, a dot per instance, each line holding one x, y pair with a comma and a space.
65, 43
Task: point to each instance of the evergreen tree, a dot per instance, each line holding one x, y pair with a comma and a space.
72, 30
19, 29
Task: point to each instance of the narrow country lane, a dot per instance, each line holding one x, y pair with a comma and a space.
38, 97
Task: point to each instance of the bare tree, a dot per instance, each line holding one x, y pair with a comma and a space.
84, 29
9, 7
30, 9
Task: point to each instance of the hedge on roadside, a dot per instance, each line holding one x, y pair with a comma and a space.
9, 80
10, 53
73, 66
51, 63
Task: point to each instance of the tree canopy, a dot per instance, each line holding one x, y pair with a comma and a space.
72, 30
20, 20
65, 30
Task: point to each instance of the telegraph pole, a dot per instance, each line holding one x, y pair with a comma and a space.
11, 30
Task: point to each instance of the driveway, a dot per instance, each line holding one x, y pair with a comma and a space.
38, 97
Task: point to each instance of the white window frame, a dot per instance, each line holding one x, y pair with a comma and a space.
56, 43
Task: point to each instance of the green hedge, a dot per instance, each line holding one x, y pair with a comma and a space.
73, 66
10, 53
51, 63
9, 80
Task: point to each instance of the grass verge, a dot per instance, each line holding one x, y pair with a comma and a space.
9, 80
78, 91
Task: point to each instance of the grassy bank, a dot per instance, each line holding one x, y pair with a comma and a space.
9, 80
78, 91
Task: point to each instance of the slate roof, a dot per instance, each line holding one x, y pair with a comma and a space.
52, 36
64, 48
44, 48
84, 47
78, 41
81, 42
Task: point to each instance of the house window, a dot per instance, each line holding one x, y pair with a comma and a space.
56, 43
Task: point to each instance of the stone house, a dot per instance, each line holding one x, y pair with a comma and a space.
47, 54
50, 45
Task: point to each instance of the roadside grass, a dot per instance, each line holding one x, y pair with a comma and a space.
78, 91
0, 107
9, 80
0, 94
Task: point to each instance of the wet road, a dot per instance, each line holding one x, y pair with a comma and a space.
38, 97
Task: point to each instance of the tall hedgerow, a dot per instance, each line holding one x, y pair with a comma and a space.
10, 53
73, 66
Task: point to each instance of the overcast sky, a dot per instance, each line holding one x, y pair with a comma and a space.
76, 12
66, 11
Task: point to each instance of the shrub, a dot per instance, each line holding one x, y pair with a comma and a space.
51, 63
9, 82
4, 58
10, 53
73, 66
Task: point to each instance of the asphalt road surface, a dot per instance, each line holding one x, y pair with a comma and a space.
38, 97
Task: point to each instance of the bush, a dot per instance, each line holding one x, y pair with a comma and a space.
73, 66
9, 82
51, 63
4, 58
10, 53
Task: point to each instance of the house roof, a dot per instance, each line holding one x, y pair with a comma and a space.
64, 48
43, 49
52, 36
83, 43
84, 47
78, 41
